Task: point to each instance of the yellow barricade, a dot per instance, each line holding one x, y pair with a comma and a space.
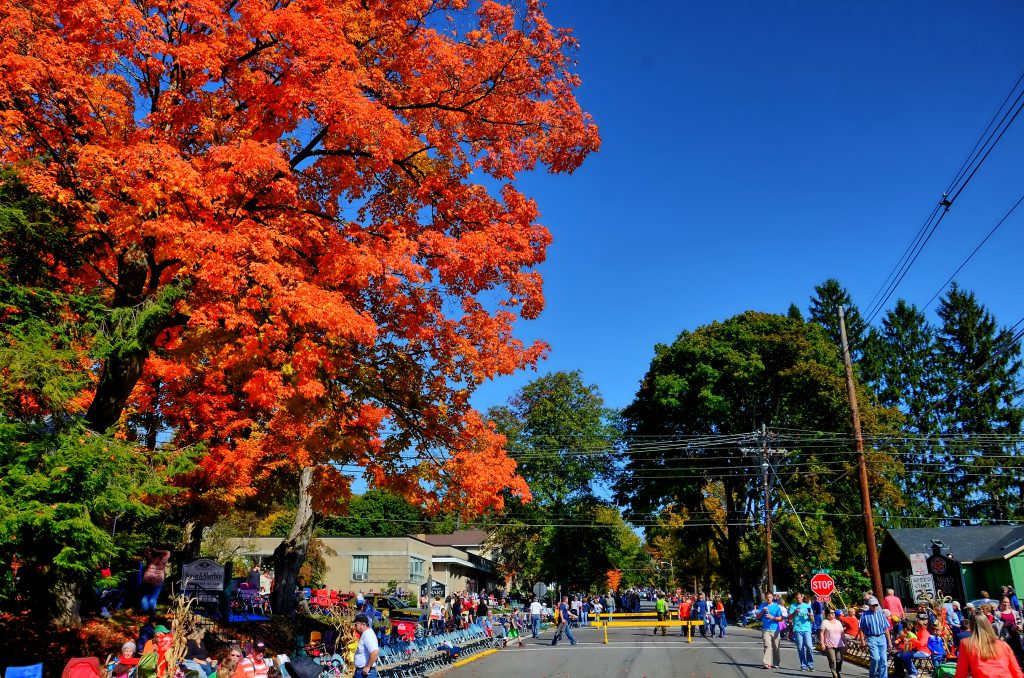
605, 615
688, 623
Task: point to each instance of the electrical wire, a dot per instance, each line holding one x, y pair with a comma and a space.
987, 142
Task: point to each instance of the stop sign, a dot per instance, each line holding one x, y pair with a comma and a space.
822, 585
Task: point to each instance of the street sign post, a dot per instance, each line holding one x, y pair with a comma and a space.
540, 589
822, 586
918, 563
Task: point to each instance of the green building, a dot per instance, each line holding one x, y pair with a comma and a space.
989, 556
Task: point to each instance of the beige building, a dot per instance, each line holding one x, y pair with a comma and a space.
369, 563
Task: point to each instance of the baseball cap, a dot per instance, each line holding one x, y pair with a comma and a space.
872, 601
865, 608
161, 629
260, 645
361, 619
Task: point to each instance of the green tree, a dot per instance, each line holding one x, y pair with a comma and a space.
61, 486
979, 379
902, 359
824, 310
702, 397
377, 513
560, 434
563, 438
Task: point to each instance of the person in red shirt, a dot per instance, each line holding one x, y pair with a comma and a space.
851, 625
684, 613
982, 655
915, 648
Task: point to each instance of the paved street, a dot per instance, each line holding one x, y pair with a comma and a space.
635, 653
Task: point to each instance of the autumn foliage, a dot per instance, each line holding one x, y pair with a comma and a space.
614, 577
302, 220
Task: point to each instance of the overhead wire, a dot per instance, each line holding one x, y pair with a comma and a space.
987, 142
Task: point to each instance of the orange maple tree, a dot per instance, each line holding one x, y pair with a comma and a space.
303, 219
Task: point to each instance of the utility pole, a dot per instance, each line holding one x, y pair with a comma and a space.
766, 453
865, 495
767, 508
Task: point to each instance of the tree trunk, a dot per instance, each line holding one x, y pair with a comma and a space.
192, 540
66, 610
291, 553
732, 564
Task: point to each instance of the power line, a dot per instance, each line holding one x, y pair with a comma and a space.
986, 143
975, 251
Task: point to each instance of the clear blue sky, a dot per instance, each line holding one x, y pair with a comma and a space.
753, 149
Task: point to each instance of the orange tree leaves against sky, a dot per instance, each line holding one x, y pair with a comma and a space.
327, 189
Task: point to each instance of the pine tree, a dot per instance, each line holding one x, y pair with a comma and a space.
824, 310
979, 367
900, 357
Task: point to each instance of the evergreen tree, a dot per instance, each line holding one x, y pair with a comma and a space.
824, 310
979, 368
901, 362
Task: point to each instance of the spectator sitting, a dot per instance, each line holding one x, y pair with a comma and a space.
126, 660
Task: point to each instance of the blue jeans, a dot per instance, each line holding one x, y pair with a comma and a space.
804, 648
721, 626
563, 627
148, 597
535, 624
908, 660
371, 674
878, 647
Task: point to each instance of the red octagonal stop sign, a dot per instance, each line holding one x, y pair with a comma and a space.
822, 585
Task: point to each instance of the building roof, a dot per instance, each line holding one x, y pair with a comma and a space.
969, 544
459, 539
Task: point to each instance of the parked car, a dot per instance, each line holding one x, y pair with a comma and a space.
395, 608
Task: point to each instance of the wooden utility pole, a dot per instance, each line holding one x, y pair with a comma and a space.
865, 495
767, 509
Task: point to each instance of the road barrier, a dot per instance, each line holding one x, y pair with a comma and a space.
689, 623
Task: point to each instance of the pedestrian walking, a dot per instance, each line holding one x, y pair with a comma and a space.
700, 609
718, 616
800, 618
770, 614
661, 607
564, 617
832, 642
874, 625
684, 613
535, 612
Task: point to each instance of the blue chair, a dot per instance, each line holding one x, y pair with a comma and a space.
30, 671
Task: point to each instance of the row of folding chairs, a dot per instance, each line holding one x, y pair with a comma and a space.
425, 656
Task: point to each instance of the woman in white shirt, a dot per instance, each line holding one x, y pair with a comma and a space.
832, 642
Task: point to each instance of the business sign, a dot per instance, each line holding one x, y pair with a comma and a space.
436, 588
949, 580
919, 563
203, 573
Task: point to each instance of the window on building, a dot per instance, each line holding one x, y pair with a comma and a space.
360, 568
416, 569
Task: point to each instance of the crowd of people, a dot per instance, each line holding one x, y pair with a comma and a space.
150, 653
984, 640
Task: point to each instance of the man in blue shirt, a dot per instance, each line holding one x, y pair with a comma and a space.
700, 613
770, 614
800, 617
564, 617
874, 624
